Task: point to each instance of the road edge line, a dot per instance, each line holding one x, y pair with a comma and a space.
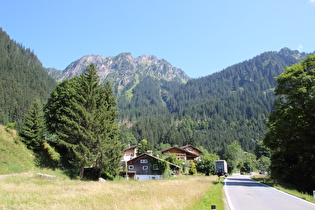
301, 199
229, 202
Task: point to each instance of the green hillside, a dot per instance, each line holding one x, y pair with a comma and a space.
14, 156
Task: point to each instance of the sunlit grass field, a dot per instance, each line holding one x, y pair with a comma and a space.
30, 191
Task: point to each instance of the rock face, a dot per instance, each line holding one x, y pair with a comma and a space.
123, 69
144, 81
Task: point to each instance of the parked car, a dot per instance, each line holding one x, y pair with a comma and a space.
263, 172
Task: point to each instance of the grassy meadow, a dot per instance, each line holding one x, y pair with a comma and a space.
30, 191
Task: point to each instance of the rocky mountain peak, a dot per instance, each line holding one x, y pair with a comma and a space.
123, 70
146, 58
123, 64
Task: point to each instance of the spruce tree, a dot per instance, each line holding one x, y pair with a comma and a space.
33, 130
108, 145
82, 113
33, 136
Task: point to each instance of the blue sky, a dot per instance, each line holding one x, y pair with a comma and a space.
199, 36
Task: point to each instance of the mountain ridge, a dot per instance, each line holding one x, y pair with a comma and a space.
122, 67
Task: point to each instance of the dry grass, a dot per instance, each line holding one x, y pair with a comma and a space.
32, 192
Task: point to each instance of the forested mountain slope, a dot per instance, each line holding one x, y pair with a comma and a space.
22, 80
214, 111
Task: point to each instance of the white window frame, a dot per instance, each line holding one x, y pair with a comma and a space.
145, 168
131, 167
144, 161
155, 167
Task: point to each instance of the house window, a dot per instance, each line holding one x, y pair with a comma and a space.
143, 161
145, 167
131, 167
155, 167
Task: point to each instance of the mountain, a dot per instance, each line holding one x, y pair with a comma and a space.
232, 104
215, 110
158, 102
123, 69
54, 73
22, 80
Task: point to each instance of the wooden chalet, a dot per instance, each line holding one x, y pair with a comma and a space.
187, 152
192, 149
146, 167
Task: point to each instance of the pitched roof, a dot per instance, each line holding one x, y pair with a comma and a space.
180, 149
150, 156
189, 145
131, 148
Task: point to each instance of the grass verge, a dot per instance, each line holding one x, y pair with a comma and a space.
214, 196
285, 188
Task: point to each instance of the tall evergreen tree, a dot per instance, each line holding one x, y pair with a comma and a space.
33, 130
108, 146
82, 113
33, 136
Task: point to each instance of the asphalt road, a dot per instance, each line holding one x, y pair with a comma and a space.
244, 193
